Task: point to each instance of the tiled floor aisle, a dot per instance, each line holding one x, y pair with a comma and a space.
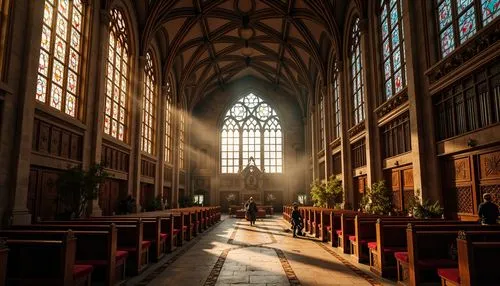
235, 253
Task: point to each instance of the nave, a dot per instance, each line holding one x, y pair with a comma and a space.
234, 253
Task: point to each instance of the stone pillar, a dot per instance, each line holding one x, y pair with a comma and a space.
314, 146
26, 107
326, 93
175, 151
95, 116
160, 145
426, 173
137, 94
373, 158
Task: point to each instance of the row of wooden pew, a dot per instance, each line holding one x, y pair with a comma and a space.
105, 250
413, 251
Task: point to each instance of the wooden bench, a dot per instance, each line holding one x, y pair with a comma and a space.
477, 252
4, 254
28, 263
429, 248
97, 248
129, 238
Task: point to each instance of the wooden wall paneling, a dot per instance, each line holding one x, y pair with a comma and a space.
112, 192
48, 194
32, 202
147, 194
408, 187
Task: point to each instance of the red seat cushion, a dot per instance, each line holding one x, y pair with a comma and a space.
82, 270
163, 236
146, 244
451, 274
352, 237
176, 231
121, 255
372, 245
184, 227
128, 249
329, 228
339, 232
401, 256
436, 263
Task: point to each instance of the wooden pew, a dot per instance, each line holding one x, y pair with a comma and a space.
4, 254
428, 249
130, 239
178, 228
28, 262
97, 248
477, 252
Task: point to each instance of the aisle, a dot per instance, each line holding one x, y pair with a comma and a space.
234, 253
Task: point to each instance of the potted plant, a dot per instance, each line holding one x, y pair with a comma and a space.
329, 194
377, 199
76, 187
426, 209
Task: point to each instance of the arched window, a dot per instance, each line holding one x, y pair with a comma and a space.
321, 143
251, 128
458, 20
393, 51
358, 104
59, 66
117, 79
336, 104
148, 107
182, 138
168, 124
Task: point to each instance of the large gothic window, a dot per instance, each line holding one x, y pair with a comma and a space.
458, 20
117, 79
251, 128
358, 104
59, 67
336, 105
393, 53
182, 139
168, 123
148, 107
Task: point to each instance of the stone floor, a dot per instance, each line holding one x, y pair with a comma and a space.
234, 253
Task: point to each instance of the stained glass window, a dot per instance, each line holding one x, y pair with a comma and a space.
182, 139
58, 81
459, 20
168, 123
251, 129
117, 79
393, 54
357, 86
336, 105
148, 107
321, 143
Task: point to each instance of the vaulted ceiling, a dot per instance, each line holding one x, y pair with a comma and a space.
211, 43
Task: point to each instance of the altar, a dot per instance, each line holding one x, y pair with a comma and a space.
261, 213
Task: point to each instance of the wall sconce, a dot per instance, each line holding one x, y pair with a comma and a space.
361, 172
471, 143
396, 163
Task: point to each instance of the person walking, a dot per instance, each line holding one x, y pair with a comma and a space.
251, 208
296, 221
488, 211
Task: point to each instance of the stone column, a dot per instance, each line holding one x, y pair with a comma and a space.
26, 106
373, 158
97, 117
313, 135
175, 151
426, 173
160, 143
137, 94
327, 100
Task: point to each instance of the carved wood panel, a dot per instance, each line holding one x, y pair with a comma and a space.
53, 140
147, 194
112, 192
148, 168
462, 170
42, 193
408, 178
115, 159
400, 180
490, 165
465, 200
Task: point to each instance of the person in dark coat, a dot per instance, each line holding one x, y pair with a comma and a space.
251, 208
296, 221
488, 211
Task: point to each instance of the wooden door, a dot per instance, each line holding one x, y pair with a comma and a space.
147, 194
110, 196
167, 196
400, 181
360, 187
42, 198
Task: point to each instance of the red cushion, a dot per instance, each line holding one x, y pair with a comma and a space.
146, 244
372, 245
401, 256
128, 249
451, 274
163, 236
184, 227
339, 232
329, 228
436, 263
176, 231
394, 249
121, 255
352, 237
82, 270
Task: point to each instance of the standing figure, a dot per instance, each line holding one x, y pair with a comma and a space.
488, 211
251, 208
296, 221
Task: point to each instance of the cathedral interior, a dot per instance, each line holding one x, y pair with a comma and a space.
211, 102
